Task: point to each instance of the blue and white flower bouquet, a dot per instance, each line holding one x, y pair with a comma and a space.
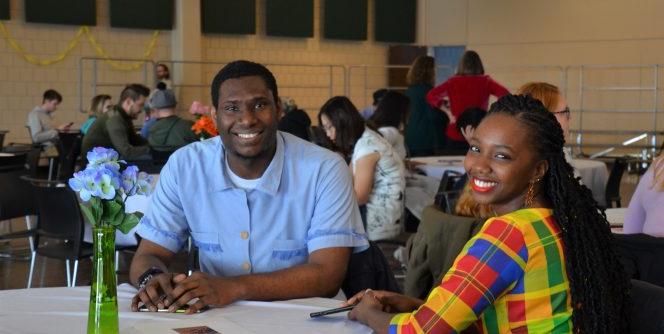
104, 188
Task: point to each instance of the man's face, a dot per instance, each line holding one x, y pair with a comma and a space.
133, 108
247, 118
51, 105
162, 72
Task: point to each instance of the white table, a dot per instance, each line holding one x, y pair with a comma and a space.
65, 310
594, 175
616, 218
3, 154
436, 166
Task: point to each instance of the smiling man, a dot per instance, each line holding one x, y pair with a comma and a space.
273, 216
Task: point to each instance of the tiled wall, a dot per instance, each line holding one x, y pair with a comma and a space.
22, 83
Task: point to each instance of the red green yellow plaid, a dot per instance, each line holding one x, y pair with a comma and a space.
509, 278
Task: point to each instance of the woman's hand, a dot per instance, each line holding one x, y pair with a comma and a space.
391, 302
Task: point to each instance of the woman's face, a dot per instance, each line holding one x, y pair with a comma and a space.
562, 115
501, 163
330, 130
106, 106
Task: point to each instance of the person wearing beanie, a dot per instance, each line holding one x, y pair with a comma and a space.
169, 132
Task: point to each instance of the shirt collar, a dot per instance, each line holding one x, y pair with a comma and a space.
270, 179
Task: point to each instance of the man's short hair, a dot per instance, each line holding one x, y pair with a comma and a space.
51, 95
134, 92
378, 94
239, 69
471, 116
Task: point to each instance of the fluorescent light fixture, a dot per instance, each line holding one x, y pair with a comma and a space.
601, 153
635, 139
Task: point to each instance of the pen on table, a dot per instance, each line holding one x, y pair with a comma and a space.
332, 311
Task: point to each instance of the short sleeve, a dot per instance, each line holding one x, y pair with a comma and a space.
165, 223
364, 146
336, 220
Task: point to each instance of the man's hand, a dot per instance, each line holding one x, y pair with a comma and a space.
207, 289
152, 295
65, 127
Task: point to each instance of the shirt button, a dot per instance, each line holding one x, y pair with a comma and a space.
246, 266
244, 235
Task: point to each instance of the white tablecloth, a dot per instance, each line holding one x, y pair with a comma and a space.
436, 166
65, 310
594, 176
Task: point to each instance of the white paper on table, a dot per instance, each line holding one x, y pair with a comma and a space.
218, 323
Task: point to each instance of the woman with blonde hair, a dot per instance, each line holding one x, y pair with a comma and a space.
552, 99
424, 135
646, 208
100, 105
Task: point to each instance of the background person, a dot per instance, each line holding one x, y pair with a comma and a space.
115, 128
369, 110
169, 132
425, 127
469, 87
40, 120
99, 105
645, 213
390, 120
378, 172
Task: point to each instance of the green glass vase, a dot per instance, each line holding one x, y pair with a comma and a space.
103, 310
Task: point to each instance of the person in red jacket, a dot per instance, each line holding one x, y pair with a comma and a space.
469, 87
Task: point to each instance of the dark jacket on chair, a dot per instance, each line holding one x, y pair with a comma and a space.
433, 249
642, 256
369, 269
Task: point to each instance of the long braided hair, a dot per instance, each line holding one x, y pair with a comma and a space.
598, 284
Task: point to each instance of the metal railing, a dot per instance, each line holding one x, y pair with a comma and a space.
311, 85
94, 82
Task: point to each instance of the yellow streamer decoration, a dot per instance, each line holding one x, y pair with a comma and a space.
73, 43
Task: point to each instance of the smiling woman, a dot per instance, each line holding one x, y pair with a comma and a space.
546, 264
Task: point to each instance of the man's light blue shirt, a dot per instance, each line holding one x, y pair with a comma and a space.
303, 202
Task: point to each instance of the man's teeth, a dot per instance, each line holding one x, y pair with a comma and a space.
484, 184
247, 135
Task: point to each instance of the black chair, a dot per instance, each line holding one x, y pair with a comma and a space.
612, 193
647, 314
69, 150
160, 157
642, 256
16, 197
369, 269
2, 137
60, 226
449, 190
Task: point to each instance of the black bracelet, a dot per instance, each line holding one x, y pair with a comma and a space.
147, 276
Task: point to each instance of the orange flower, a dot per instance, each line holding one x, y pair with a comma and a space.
204, 127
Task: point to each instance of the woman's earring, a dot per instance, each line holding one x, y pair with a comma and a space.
530, 194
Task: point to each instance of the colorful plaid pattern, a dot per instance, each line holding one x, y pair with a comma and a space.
509, 278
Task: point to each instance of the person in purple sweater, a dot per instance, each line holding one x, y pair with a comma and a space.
646, 209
